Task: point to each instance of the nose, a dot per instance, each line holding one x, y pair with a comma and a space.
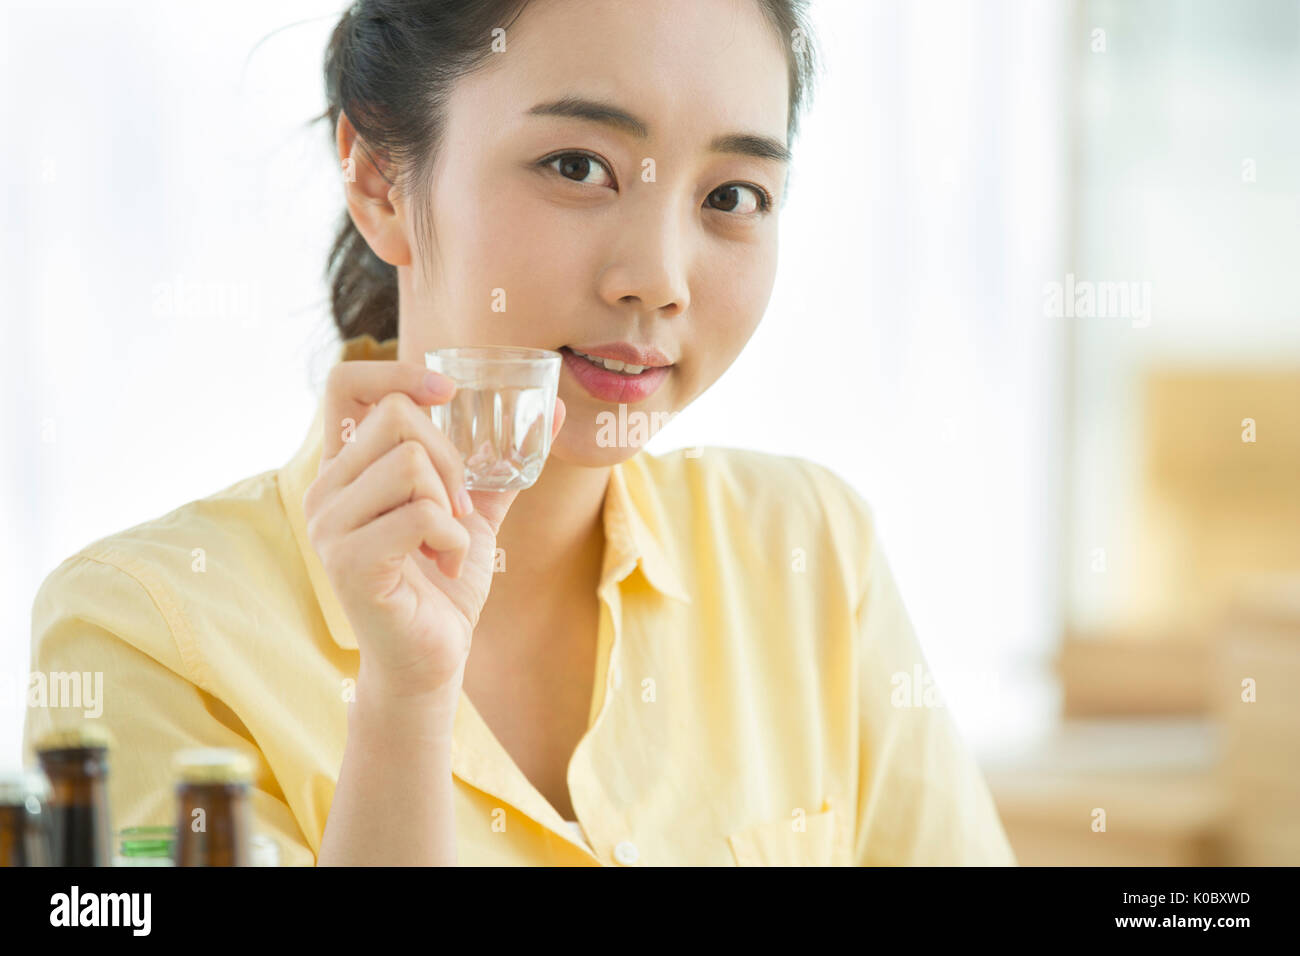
645, 270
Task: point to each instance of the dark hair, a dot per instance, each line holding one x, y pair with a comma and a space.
391, 66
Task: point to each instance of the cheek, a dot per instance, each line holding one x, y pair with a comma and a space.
736, 297
511, 264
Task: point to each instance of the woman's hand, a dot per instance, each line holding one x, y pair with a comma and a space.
410, 568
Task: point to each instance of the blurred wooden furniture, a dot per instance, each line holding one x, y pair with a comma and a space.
1218, 788
1258, 656
1156, 780
1130, 674
1155, 729
1220, 497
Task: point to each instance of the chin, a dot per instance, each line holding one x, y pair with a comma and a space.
586, 451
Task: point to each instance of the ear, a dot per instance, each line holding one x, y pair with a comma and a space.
373, 202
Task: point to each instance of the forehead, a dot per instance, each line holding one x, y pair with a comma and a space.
688, 68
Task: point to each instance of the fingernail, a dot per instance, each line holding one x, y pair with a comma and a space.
437, 384
464, 503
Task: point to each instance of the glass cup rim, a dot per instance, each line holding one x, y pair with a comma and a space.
475, 353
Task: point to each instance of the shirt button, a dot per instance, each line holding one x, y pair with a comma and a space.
626, 853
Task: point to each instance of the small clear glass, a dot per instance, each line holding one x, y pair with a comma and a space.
501, 416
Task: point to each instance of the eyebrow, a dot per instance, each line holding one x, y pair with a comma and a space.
577, 107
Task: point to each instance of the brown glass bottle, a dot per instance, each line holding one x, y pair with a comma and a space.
213, 817
24, 819
76, 763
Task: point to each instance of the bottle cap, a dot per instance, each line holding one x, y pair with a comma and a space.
212, 765
77, 737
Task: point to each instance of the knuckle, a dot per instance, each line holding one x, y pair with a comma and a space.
326, 555
414, 458
316, 534
392, 406
413, 449
427, 511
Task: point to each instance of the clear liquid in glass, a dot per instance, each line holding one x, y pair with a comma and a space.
503, 434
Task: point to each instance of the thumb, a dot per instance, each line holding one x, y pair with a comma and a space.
493, 505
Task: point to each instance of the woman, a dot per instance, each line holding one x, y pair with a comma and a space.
686, 659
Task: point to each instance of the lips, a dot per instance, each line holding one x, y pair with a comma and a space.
614, 365
619, 387
647, 356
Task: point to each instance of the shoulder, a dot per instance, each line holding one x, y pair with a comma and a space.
226, 522
769, 498
148, 583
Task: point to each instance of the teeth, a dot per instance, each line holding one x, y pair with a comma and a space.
614, 365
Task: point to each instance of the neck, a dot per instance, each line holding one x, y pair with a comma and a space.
553, 539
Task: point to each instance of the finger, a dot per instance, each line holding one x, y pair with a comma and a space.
355, 386
403, 474
561, 410
405, 529
396, 419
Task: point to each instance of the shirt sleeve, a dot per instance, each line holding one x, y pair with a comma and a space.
95, 619
922, 799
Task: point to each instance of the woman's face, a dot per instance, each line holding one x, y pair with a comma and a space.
555, 231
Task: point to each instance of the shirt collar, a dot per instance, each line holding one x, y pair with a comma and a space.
634, 519
635, 525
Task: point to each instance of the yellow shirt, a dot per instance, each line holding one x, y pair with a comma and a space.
750, 702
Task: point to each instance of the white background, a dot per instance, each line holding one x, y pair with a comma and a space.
151, 150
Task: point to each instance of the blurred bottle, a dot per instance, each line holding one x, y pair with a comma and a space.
213, 817
156, 846
76, 763
24, 819
145, 846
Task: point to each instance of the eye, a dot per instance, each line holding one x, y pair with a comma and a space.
577, 167
731, 199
